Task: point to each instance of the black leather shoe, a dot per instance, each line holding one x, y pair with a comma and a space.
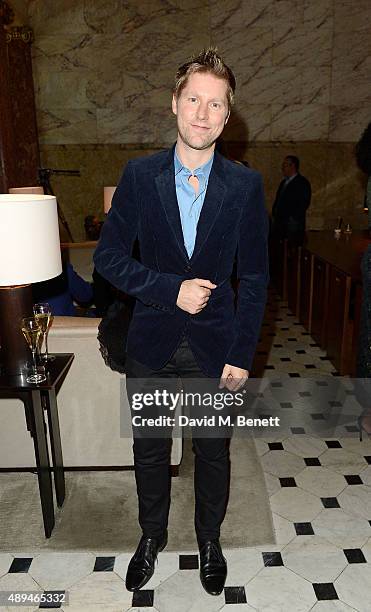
213, 567
142, 564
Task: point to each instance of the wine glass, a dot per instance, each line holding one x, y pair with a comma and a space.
44, 317
32, 332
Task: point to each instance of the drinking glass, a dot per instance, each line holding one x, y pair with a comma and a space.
44, 317
31, 331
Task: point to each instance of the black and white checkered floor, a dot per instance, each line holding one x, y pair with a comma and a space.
320, 495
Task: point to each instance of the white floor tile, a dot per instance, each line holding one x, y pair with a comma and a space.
243, 565
341, 528
55, 571
356, 500
353, 586
305, 446
277, 589
343, 461
321, 481
295, 504
5, 562
102, 589
314, 559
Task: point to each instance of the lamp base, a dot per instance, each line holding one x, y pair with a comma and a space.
15, 303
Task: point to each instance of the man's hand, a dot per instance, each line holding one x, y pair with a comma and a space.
233, 378
194, 294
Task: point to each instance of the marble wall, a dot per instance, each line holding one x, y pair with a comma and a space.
103, 72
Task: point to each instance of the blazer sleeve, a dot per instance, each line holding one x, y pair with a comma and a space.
113, 255
253, 274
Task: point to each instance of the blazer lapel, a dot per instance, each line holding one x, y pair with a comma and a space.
165, 183
212, 205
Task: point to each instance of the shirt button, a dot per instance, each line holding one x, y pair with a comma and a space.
188, 268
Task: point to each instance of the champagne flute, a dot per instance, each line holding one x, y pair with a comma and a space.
44, 317
31, 331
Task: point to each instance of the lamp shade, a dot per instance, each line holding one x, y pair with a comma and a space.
29, 239
108, 195
38, 190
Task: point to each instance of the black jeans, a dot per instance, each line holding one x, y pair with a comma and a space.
152, 461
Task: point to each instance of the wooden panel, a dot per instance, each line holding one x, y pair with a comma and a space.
306, 288
356, 305
277, 265
339, 328
293, 278
320, 300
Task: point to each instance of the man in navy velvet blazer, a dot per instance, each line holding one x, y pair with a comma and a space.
192, 211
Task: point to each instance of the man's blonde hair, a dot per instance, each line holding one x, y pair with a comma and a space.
208, 61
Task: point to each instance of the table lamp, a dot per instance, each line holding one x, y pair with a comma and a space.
29, 253
108, 195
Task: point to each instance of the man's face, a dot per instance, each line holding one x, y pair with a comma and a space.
288, 168
201, 110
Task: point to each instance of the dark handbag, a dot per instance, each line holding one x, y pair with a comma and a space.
112, 333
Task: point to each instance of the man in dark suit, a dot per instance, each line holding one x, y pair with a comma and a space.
192, 210
291, 203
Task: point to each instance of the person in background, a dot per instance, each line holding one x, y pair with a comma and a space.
291, 202
92, 227
62, 291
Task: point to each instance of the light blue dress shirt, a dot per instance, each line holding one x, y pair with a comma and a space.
190, 204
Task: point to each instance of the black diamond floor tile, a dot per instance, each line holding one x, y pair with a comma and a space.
143, 598
297, 430
285, 359
303, 528
354, 555
309, 366
272, 559
286, 404
188, 562
312, 461
300, 352
53, 599
321, 383
104, 564
333, 444
325, 591
275, 446
292, 339
330, 502
278, 345
269, 367
20, 565
294, 374
317, 416
287, 482
335, 404
235, 595
305, 394
353, 479
368, 458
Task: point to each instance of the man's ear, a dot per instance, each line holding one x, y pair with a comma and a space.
174, 105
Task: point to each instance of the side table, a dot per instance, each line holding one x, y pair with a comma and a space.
36, 399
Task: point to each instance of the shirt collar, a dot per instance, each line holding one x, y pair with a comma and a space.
205, 169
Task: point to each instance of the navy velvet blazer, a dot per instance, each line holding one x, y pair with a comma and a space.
233, 221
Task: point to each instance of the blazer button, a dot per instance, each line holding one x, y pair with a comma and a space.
188, 268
